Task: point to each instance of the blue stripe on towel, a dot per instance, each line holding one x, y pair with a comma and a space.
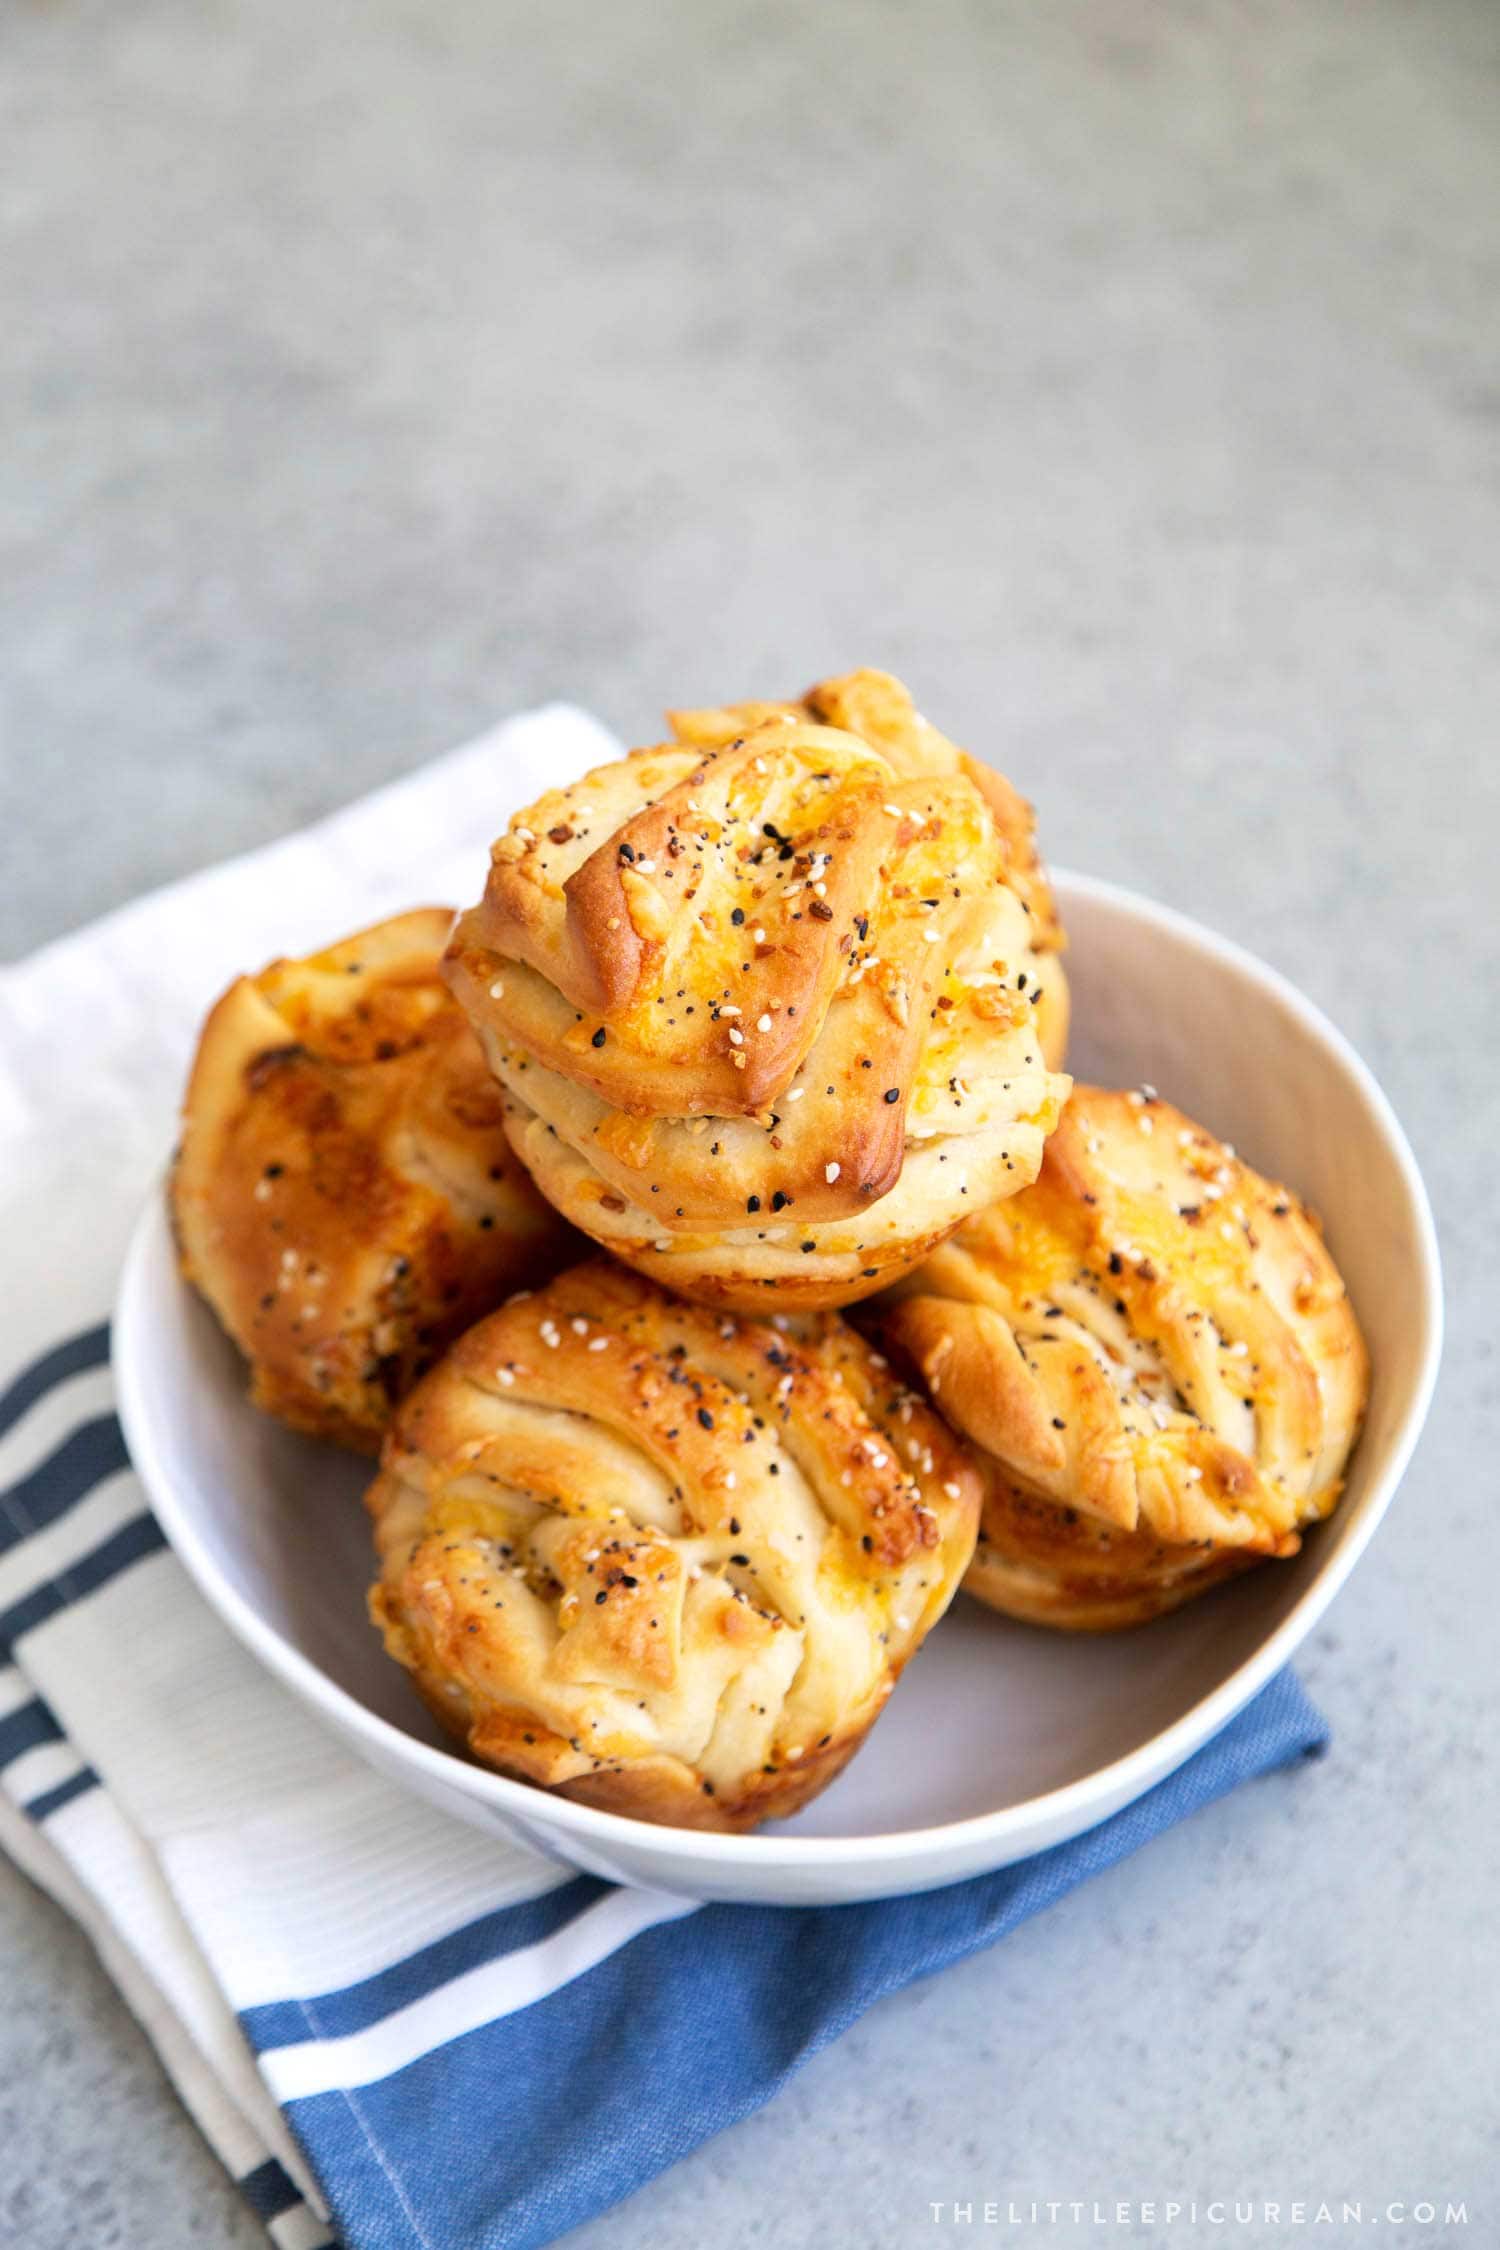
52, 1800
332, 2015
90, 1454
27, 1729
86, 1456
269, 2190
140, 1537
521, 2129
91, 1349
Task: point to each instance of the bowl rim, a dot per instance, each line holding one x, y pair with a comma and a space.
1065, 1811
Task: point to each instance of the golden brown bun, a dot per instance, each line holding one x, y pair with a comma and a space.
661, 1560
879, 709
767, 1013
344, 1194
1157, 1356
1058, 1566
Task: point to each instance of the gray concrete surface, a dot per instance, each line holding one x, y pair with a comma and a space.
1127, 376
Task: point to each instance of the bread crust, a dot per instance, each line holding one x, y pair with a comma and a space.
731, 992
1062, 1568
344, 1193
1156, 1355
879, 709
661, 1560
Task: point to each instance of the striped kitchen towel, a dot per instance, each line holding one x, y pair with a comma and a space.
393, 2030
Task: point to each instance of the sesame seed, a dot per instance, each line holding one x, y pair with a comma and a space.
953, 1491
598, 1343
504, 1375
579, 1325
762, 1023
497, 989
831, 1173
736, 1036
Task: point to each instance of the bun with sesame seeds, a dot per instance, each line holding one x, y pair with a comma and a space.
344, 1194
1156, 1358
769, 1013
662, 1560
879, 709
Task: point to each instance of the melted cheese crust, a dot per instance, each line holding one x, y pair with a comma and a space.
1155, 1351
747, 984
665, 1561
344, 1193
879, 710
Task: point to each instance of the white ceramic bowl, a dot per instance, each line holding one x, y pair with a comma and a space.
1001, 1739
